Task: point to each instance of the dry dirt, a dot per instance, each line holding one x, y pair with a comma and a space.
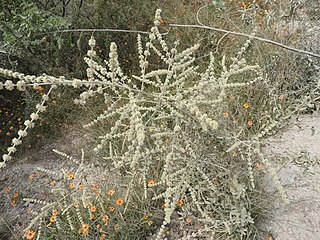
296, 156
295, 153
22, 177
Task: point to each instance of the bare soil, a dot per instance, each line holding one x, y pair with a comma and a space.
296, 155
22, 177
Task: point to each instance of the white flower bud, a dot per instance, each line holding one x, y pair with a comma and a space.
29, 124
34, 116
92, 42
45, 97
16, 141
11, 150
91, 53
22, 133
5, 158
41, 108
76, 83
8, 85
2, 164
21, 85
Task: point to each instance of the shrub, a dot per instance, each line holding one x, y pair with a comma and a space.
165, 120
166, 131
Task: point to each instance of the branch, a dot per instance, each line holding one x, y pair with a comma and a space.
99, 30
248, 36
189, 26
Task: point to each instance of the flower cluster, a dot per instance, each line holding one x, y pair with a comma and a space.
28, 125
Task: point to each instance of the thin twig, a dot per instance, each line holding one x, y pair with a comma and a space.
99, 30
248, 36
197, 15
220, 40
200, 25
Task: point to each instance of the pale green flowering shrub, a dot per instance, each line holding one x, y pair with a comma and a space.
164, 120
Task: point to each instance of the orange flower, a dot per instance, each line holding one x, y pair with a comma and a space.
85, 228
111, 192
8, 133
70, 175
53, 183
163, 206
112, 209
93, 208
150, 222
30, 234
53, 219
188, 220
105, 219
92, 216
151, 182
180, 202
13, 202
281, 98
8, 189
119, 201
81, 187
166, 141
94, 186
15, 195
71, 185
39, 173
245, 105
55, 212
250, 123
103, 236
31, 177
234, 121
99, 227
259, 165
225, 114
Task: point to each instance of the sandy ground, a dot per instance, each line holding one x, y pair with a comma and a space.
22, 177
296, 155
